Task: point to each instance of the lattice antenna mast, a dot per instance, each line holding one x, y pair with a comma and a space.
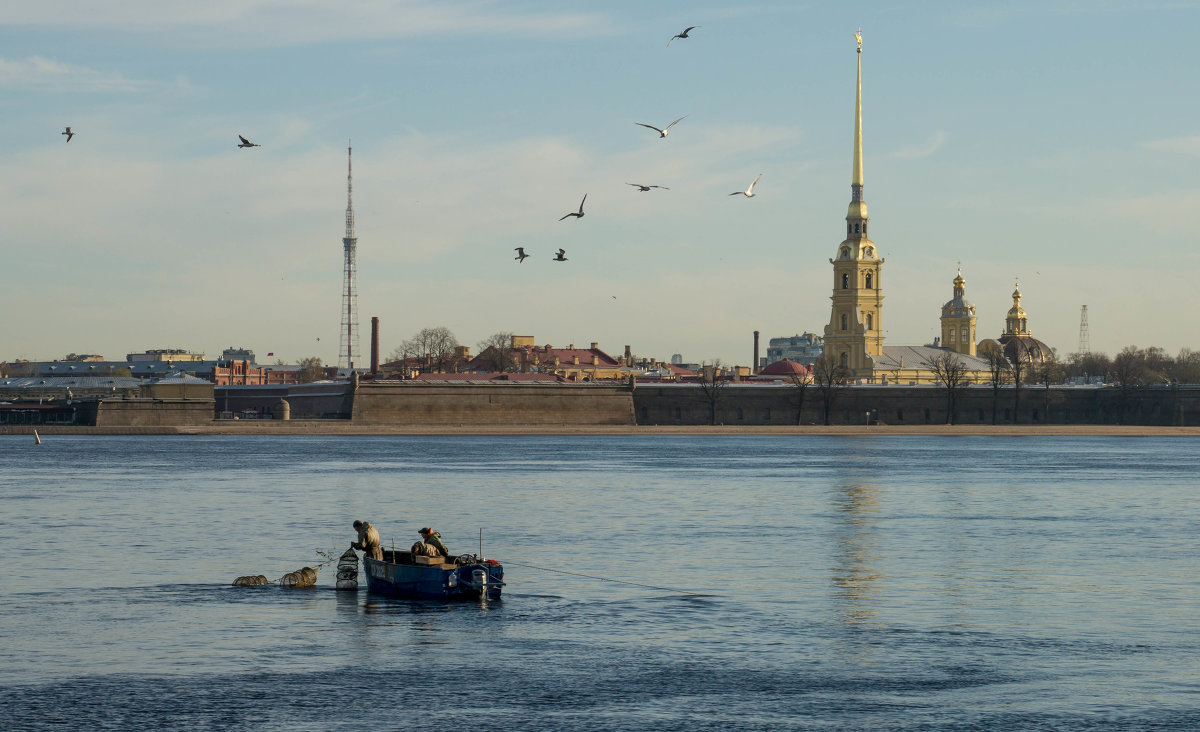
1084, 347
348, 347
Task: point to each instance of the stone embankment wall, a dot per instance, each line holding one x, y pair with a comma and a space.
491, 403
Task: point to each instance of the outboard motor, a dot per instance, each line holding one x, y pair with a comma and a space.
479, 578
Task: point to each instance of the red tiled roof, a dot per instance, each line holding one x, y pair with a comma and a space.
786, 367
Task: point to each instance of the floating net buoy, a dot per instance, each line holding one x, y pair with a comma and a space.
250, 580
347, 571
304, 577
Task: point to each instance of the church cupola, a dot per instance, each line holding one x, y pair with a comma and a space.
1016, 323
958, 320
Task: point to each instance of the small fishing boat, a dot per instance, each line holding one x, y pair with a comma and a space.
464, 577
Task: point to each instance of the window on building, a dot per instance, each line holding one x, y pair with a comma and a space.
868, 280
951, 338
964, 336
845, 282
845, 322
845, 359
870, 321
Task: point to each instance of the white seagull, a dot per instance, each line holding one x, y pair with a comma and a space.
521, 255
749, 192
561, 256
576, 215
68, 133
663, 132
247, 143
684, 34
643, 188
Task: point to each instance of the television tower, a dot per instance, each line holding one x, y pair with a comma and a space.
348, 347
1084, 347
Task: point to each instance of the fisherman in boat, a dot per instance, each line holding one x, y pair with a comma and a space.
368, 540
433, 540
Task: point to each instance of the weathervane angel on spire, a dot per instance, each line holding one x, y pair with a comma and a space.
858, 37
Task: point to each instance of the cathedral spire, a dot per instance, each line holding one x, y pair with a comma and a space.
856, 179
856, 214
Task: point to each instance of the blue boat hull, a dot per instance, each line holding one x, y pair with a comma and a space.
468, 581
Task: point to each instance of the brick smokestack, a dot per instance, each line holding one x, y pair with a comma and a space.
375, 345
754, 365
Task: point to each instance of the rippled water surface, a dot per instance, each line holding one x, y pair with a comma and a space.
716, 583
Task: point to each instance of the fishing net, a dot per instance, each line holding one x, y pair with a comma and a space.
347, 571
304, 577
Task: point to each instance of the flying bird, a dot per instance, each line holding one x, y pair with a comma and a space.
521, 255
684, 34
643, 188
247, 143
749, 192
577, 215
561, 255
663, 132
68, 133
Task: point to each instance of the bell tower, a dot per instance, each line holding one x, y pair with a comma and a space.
855, 331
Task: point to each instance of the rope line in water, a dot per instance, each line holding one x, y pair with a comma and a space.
605, 579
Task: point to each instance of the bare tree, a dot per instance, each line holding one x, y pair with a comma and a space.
830, 377
1186, 368
998, 371
1130, 371
497, 352
712, 388
1049, 372
311, 369
951, 372
433, 347
800, 386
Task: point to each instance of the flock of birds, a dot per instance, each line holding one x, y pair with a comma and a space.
560, 255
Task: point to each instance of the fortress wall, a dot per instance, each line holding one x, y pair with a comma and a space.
153, 412
421, 403
746, 404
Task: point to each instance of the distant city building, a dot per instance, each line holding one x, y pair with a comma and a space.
85, 357
804, 349
238, 354
173, 355
677, 358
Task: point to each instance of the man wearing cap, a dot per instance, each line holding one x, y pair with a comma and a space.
434, 539
368, 540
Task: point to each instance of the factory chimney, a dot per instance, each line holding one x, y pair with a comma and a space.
374, 344
754, 364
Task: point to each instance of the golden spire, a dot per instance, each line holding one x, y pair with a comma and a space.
857, 175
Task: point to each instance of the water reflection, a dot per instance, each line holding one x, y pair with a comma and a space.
855, 554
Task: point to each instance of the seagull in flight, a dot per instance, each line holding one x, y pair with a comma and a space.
68, 133
576, 215
684, 34
521, 255
643, 188
561, 255
749, 192
663, 132
247, 143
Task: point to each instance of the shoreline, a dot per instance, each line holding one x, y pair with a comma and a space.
326, 428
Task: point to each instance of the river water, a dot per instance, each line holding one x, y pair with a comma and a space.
742, 583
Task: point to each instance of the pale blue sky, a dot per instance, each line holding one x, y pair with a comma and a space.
1056, 141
